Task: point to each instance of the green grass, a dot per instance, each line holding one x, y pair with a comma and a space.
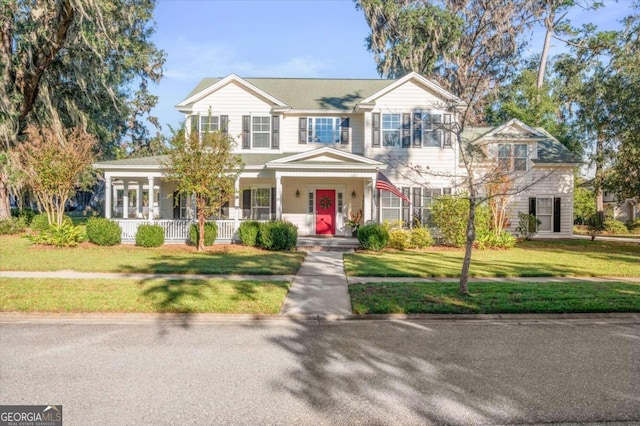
494, 298
184, 296
17, 254
527, 259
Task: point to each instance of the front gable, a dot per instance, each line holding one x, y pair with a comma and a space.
325, 158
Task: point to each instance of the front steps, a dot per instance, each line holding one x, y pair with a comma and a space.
342, 244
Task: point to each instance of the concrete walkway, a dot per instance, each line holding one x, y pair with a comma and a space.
320, 287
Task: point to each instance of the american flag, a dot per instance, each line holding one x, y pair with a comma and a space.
384, 184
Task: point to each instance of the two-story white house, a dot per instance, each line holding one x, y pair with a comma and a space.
315, 151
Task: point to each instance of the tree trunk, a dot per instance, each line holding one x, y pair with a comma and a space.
5, 205
201, 219
545, 52
471, 236
599, 178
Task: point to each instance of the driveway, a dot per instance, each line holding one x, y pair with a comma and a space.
309, 372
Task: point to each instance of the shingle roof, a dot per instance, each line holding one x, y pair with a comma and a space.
256, 159
311, 93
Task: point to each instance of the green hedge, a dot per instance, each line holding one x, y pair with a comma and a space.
373, 237
150, 236
13, 225
248, 233
40, 222
210, 233
278, 236
103, 232
25, 213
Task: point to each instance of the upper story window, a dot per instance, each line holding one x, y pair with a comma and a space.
210, 123
432, 129
391, 127
261, 131
323, 129
512, 157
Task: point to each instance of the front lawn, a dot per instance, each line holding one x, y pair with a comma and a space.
495, 298
17, 254
157, 295
528, 259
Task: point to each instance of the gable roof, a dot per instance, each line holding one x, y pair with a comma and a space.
327, 157
313, 93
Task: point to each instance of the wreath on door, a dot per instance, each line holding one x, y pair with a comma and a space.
325, 202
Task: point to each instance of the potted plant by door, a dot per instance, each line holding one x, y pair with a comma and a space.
354, 222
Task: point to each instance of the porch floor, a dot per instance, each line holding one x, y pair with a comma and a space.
327, 244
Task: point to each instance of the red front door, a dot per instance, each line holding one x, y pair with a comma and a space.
325, 212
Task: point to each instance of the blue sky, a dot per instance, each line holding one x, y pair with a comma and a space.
278, 38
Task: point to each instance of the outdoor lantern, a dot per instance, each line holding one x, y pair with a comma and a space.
353, 194
297, 193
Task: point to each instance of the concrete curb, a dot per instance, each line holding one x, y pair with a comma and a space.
195, 319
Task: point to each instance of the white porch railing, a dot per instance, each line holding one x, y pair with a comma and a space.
176, 230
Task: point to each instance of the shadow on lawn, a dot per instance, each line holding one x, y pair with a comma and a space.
408, 372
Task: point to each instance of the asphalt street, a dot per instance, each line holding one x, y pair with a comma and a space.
309, 372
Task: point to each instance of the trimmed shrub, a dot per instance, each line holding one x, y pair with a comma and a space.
633, 226
373, 237
66, 235
450, 215
595, 225
399, 239
527, 225
40, 222
25, 213
150, 236
248, 233
487, 239
210, 233
278, 236
103, 232
613, 226
14, 225
421, 238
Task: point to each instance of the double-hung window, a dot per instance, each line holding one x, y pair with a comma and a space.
261, 131
431, 124
208, 124
323, 129
512, 157
391, 128
261, 203
544, 213
423, 199
390, 206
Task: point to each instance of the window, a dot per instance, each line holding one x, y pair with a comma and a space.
311, 208
544, 213
512, 157
261, 131
261, 203
209, 124
323, 129
431, 126
340, 202
391, 126
423, 199
390, 206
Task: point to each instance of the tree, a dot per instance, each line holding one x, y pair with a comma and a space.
55, 167
480, 59
206, 167
71, 63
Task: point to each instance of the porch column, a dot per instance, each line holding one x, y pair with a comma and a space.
368, 189
278, 197
236, 204
108, 197
125, 200
139, 200
152, 198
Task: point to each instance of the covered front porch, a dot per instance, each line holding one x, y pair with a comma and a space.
319, 191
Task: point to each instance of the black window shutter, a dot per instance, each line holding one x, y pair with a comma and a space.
302, 129
273, 203
246, 203
344, 131
532, 206
417, 199
556, 214
224, 124
246, 132
447, 130
406, 130
195, 123
417, 130
275, 132
406, 212
375, 129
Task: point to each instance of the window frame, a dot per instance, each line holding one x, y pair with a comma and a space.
513, 163
201, 124
549, 215
428, 128
387, 196
254, 132
384, 131
312, 130
257, 208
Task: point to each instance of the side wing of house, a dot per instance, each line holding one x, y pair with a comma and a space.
539, 176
